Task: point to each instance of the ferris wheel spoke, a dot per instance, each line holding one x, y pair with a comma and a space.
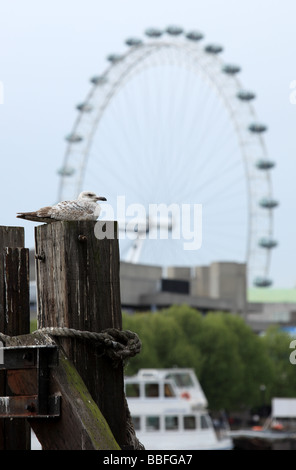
220, 172
226, 193
167, 123
208, 155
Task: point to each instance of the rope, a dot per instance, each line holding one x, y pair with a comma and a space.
117, 344
4, 337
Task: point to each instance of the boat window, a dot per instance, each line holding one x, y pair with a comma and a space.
189, 422
132, 390
168, 390
171, 423
182, 379
136, 422
152, 423
152, 390
204, 422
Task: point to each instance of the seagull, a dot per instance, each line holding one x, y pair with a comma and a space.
85, 207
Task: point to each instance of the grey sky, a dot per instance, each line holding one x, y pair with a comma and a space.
49, 50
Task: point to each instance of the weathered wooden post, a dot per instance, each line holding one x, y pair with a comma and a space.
14, 320
78, 287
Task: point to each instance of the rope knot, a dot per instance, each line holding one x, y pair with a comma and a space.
117, 344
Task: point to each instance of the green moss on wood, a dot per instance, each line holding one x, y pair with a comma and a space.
100, 433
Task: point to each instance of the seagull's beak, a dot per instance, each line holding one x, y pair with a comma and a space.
101, 198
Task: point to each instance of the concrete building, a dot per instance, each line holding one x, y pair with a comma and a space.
229, 281
136, 282
220, 286
200, 284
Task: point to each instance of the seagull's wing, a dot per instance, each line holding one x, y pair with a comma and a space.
65, 210
70, 210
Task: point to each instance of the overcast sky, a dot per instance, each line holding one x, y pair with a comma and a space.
49, 50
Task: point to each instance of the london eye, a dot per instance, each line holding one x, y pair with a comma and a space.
168, 122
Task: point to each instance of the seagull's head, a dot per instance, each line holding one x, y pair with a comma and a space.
90, 196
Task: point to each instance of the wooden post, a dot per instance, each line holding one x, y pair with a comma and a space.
78, 287
14, 320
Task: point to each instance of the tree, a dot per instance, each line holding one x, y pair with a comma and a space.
222, 373
230, 360
277, 345
256, 363
164, 340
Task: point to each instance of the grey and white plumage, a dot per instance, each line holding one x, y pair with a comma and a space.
85, 207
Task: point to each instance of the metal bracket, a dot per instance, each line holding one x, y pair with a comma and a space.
17, 360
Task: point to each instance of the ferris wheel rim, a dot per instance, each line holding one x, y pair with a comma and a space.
140, 49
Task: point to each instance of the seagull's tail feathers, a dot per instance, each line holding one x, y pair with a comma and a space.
33, 216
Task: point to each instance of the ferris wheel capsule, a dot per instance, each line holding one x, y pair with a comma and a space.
114, 58
98, 80
213, 49
74, 138
257, 128
268, 203
231, 69
194, 35
84, 107
245, 95
268, 243
133, 42
153, 32
66, 171
262, 282
174, 30
265, 164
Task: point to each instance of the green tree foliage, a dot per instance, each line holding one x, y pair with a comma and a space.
277, 344
165, 342
222, 373
230, 360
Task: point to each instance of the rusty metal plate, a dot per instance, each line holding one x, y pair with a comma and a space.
26, 357
28, 407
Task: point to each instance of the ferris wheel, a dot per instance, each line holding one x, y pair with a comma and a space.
168, 124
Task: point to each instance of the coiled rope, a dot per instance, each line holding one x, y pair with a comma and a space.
116, 344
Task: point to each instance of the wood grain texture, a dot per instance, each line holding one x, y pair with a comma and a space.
14, 320
78, 287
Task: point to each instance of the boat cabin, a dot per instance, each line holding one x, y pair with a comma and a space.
169, 410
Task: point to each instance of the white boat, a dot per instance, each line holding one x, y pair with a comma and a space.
169, 411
